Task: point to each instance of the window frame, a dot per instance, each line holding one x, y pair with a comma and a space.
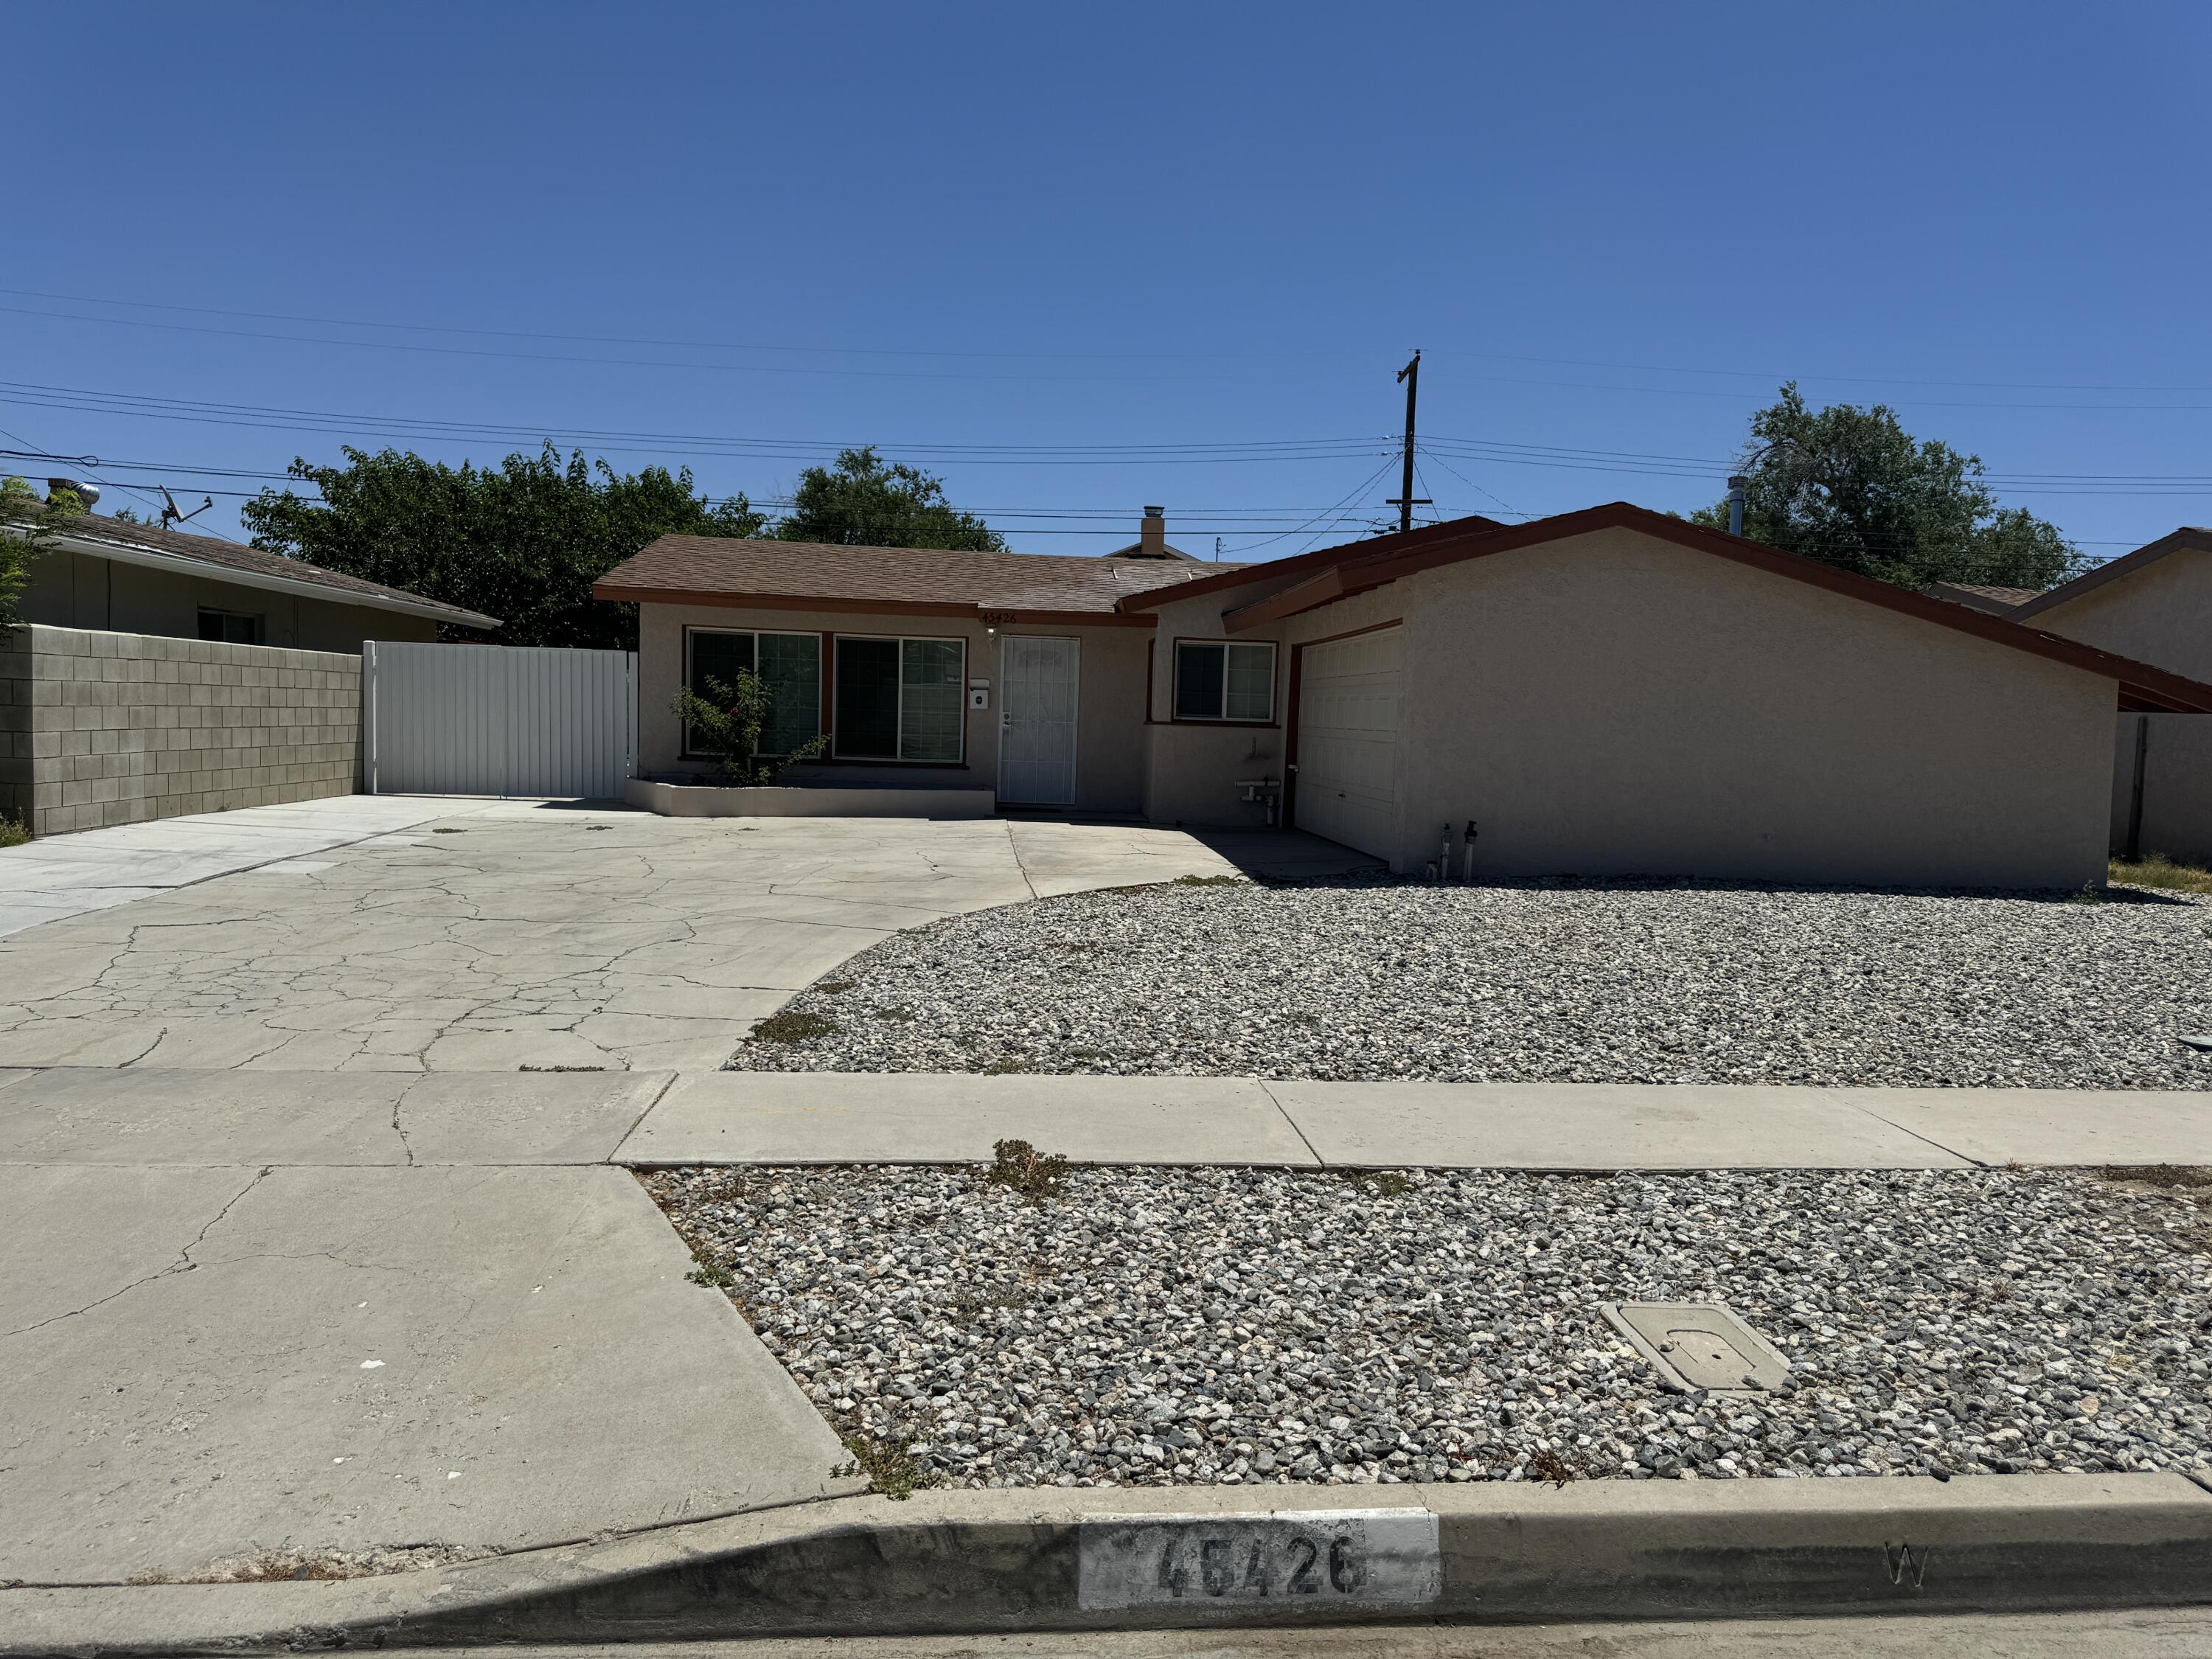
902, 641
687, 750
1177, 717
258, 618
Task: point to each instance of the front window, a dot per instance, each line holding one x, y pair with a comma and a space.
1216, 680
790, 670
901, 699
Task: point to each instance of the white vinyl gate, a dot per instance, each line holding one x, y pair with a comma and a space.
497, 719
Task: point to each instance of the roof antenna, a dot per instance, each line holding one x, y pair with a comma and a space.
172, 514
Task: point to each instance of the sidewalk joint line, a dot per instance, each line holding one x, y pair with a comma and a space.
614, 1153
1926, 1140
1320, 1162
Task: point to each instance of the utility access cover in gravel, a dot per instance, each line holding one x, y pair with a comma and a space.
1556, 981
1168, 1327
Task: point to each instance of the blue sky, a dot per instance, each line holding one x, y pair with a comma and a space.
1012, 242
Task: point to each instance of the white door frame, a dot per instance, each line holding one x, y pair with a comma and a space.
1075, 732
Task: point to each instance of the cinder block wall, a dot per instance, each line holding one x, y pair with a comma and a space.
100, 728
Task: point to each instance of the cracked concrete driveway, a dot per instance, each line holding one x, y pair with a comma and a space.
522, 936
298, 1260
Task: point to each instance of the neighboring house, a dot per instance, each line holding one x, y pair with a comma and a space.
114, 576
1606, 692
1997, 601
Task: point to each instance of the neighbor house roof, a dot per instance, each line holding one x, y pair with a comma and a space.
723, 570
2188, 538
1997, 601
208, 555
1361, 565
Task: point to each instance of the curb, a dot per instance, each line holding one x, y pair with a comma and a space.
974, 1562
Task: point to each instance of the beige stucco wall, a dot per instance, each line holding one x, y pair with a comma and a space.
1109, 737
103, 728
2177, 785
1192, 769
1613, 704
2161, 614
82, 590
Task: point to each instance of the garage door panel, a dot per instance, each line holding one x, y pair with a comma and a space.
1349, 699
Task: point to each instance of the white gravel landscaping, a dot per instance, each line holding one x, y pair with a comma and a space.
1167, 1326
1559, 981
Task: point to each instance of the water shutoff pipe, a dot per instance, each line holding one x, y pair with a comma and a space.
1467, 841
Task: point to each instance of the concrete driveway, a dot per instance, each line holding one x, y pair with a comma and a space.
312, 1242
499, 935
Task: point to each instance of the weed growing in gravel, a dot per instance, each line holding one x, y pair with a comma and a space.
13, 833
1209, 881
900, 1014
1036, 1176
1382, 1183
710, 1274
1545, 1464
831, 987
795, 1025
2156, 870
2090, 893
1005, 1066
892, 1468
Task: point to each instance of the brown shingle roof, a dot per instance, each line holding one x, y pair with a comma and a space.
721, 570
231, 556
1995, 600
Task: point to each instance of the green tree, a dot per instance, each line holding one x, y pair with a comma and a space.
866, 501
30, 525
727, 722
523, 542
1851, 488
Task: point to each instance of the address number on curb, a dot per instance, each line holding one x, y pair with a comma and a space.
1318, 1558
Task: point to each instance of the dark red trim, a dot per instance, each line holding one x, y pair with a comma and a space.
1364, 570
1353, 633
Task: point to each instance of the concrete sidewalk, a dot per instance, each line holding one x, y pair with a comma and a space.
825, 1117
349, 1313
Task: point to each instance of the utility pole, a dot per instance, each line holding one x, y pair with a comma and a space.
1405, 501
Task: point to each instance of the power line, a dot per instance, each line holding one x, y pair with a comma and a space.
1303, 354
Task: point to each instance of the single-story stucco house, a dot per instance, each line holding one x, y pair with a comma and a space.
1609, 691
118, 577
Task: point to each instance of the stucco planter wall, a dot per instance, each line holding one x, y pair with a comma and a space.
819, 800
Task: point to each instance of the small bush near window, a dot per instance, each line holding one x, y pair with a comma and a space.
729, 720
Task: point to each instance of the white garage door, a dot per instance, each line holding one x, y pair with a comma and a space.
1348, 773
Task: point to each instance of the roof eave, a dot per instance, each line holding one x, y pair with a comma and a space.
185, 564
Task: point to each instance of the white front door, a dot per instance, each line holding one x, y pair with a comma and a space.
1349, 787
1036, 720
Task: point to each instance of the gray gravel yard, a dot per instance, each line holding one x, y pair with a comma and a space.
1544, 982
1157, 1327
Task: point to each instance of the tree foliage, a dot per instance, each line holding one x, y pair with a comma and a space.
523, 542
1851, 488
866, 501
31, 525
728, 721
